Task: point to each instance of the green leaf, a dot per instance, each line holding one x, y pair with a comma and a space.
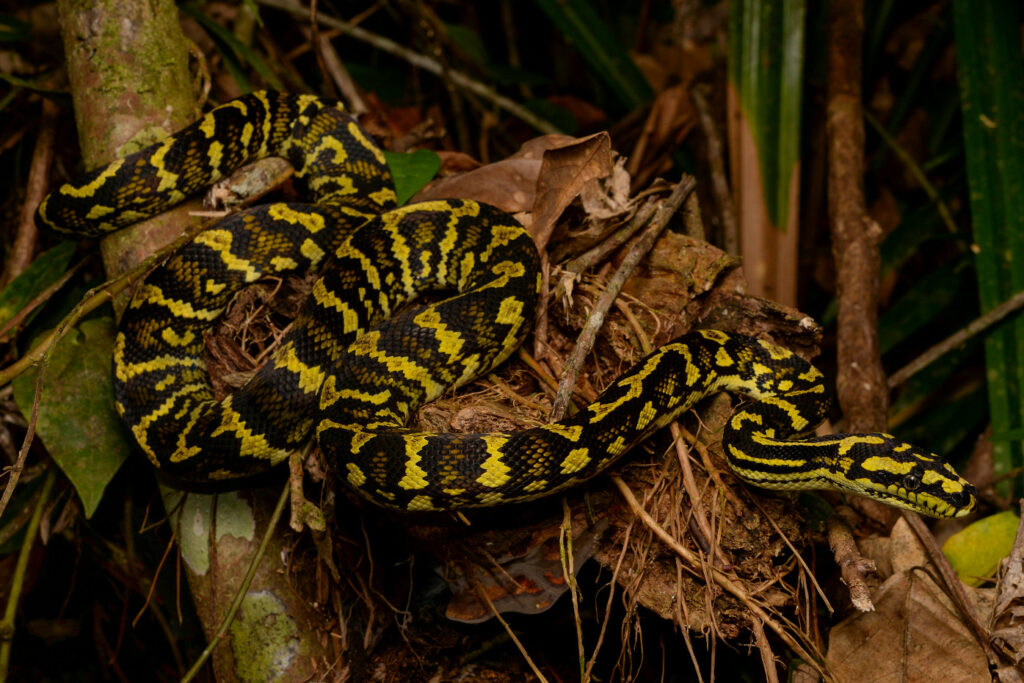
77, 422
991, 82
607, 58
975, 551
412, 171
766, 58
41, 273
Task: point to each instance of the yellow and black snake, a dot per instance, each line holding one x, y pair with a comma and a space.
350, 372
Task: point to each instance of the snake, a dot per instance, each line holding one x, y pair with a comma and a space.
365, 352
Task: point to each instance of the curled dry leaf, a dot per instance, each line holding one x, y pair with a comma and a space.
543, 178
916, 632
509, 184
1009, 606
563, 173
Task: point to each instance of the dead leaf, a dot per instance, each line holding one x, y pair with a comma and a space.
456, 162
563, 173
509, 184
534, 148
915, 634
670, 120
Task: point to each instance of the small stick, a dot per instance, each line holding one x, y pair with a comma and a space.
522, 650
716, 575
977, 325
38, 185
719, 179
39, 299
596, 254
423, 62
588, 336
852, 564
20, 567
954, 587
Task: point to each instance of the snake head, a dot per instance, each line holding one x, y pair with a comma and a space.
897, 473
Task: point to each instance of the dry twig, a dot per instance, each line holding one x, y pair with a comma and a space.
24, 246
595, 320
852, 564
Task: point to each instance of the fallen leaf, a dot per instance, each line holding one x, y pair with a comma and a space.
915, 634
563, 173
509, 184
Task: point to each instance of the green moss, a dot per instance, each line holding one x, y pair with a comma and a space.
264, 639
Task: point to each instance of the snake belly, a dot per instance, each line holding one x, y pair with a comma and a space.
351, 370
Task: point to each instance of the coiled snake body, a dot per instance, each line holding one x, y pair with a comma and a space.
350, 372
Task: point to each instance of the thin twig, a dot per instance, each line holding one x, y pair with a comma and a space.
954, 587
611, 596
719, 180
852, 565
423, 62
954, 340
18, 578
497, 615
36, 188
565, 551
716, 575
243, 588
40, 298
596, 254
588, 336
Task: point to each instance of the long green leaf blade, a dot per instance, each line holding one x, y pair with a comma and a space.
766, 60
991, 80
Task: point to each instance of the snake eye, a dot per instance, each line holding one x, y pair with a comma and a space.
911, 482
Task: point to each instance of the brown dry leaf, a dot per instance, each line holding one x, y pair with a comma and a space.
563, 173
509, 184
915, 635
534, 148
1008, 630
456, 162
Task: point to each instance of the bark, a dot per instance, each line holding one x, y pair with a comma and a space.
860, 382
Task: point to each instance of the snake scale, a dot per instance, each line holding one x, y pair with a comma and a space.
351, 370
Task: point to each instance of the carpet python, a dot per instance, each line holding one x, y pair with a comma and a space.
350, 370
